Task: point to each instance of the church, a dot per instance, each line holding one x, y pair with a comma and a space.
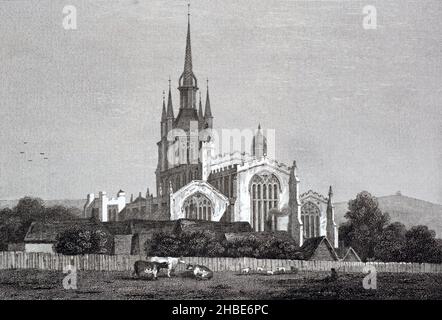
195, 181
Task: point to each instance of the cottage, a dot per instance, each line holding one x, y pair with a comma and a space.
41, 236
318, 248
348, 254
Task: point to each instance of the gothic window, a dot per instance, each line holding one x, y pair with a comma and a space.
264, 194
310, 218
198, 206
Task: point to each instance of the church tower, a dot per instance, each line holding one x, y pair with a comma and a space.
178, 156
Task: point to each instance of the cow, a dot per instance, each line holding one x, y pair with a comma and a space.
168, 263
281, 269
293, 269
200, 272
245, 270
260, 269
150, 268
270, 272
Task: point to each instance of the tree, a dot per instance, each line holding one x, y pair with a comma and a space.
392, 243
15, 223
421, 245
29, 208
74, 241
366, 223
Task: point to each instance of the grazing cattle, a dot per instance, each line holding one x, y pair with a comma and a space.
245, 270
270, 272
168, 263
150, 268
280, 269
200, 272
293, 269
259, 269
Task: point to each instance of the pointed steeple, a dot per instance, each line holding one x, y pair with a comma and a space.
295, 169
188, 86
163, 113
330, 194
332, 229
207, 109
295, 223
200, 109
169, 104
259, 144
187, 75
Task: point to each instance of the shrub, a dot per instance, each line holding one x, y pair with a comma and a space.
209, 244
75, 241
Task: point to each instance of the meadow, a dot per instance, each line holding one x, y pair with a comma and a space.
37, 284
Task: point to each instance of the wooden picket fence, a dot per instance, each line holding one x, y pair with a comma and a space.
49, 261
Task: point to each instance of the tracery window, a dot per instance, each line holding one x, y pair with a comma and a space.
264, 195
310, 214
198, 206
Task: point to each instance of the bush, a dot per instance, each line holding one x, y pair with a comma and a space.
75, 241
14, 223
209, 244
268, 248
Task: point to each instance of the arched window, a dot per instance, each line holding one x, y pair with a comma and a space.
198, 206
264, 195
310, 218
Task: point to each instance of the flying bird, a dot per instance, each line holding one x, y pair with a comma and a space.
30, 160
45, 158
22, 152
42, 153
25, 142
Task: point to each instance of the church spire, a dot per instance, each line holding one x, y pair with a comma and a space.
188, 75
207, 110
295, 222
200, 109
163, 113
188, 84
330, 194
169, 104
332, 229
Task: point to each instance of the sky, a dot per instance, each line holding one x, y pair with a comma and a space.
358, 109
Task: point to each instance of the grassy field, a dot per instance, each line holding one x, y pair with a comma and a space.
36, 284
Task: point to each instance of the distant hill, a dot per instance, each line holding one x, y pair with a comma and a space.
409, 211
75, 203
